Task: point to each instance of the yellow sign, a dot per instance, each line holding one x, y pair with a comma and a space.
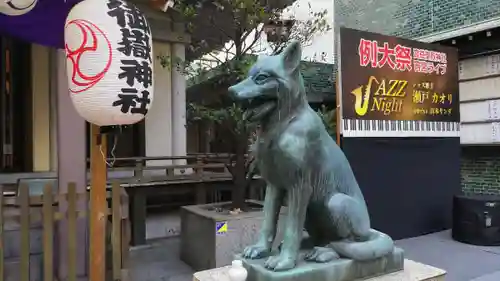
396, 99
388, 95
221, 227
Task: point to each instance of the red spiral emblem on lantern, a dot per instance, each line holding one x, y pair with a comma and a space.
93, 39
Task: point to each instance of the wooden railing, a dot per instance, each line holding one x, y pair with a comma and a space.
212, 165
23, 213
196, 167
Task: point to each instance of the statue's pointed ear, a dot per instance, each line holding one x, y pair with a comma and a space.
291, 56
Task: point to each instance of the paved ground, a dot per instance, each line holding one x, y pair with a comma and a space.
159, 261
462, 262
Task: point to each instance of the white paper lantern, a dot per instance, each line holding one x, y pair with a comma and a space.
109, 61
16, 7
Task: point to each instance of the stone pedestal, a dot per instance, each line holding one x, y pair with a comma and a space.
336, 270
204, 247
413, 271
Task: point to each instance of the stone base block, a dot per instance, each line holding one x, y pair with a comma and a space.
336, 270
204, 247
341, 270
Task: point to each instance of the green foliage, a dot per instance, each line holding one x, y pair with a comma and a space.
250, 17
239, 40
329, 117
235, 40
232, 116
241, 67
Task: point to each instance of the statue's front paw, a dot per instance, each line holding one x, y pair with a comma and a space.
321, 255
280, 262
256, 251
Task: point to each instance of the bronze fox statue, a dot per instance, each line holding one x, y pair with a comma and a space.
300, 161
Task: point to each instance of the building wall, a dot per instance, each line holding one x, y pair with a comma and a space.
480, 100
166, 120
416, 18
41, 109
481, 169
158, 120
480, 165
479, 96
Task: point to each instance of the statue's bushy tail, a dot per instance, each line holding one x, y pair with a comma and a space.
377, 246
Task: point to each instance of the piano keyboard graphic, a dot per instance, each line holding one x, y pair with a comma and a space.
399, 128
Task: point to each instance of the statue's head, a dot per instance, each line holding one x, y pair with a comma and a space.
271, 82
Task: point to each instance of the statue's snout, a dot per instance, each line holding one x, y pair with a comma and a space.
232, 92
244, 90
237, 91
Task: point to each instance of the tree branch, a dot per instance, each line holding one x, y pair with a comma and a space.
227, 51
216, 58
256, 38
212, 23
230, 167
245, 35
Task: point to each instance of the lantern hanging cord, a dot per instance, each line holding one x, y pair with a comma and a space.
112, 152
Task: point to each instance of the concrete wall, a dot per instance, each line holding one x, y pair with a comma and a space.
158, 120
414, 19
480, 100
480, 135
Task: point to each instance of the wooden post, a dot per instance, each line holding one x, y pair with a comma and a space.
25, 232
72, 230
138, 215
337, 95
1, 235
98, 205
116, 231
48, 232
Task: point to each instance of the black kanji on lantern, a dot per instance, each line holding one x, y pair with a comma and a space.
135, 42
118, 10
135, 71
137, 20
131, 102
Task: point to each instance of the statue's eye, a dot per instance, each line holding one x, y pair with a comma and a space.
261, 78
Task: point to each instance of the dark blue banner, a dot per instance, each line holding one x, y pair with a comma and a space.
42, 24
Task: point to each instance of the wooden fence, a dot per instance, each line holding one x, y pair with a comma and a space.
204, 167
23, 211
